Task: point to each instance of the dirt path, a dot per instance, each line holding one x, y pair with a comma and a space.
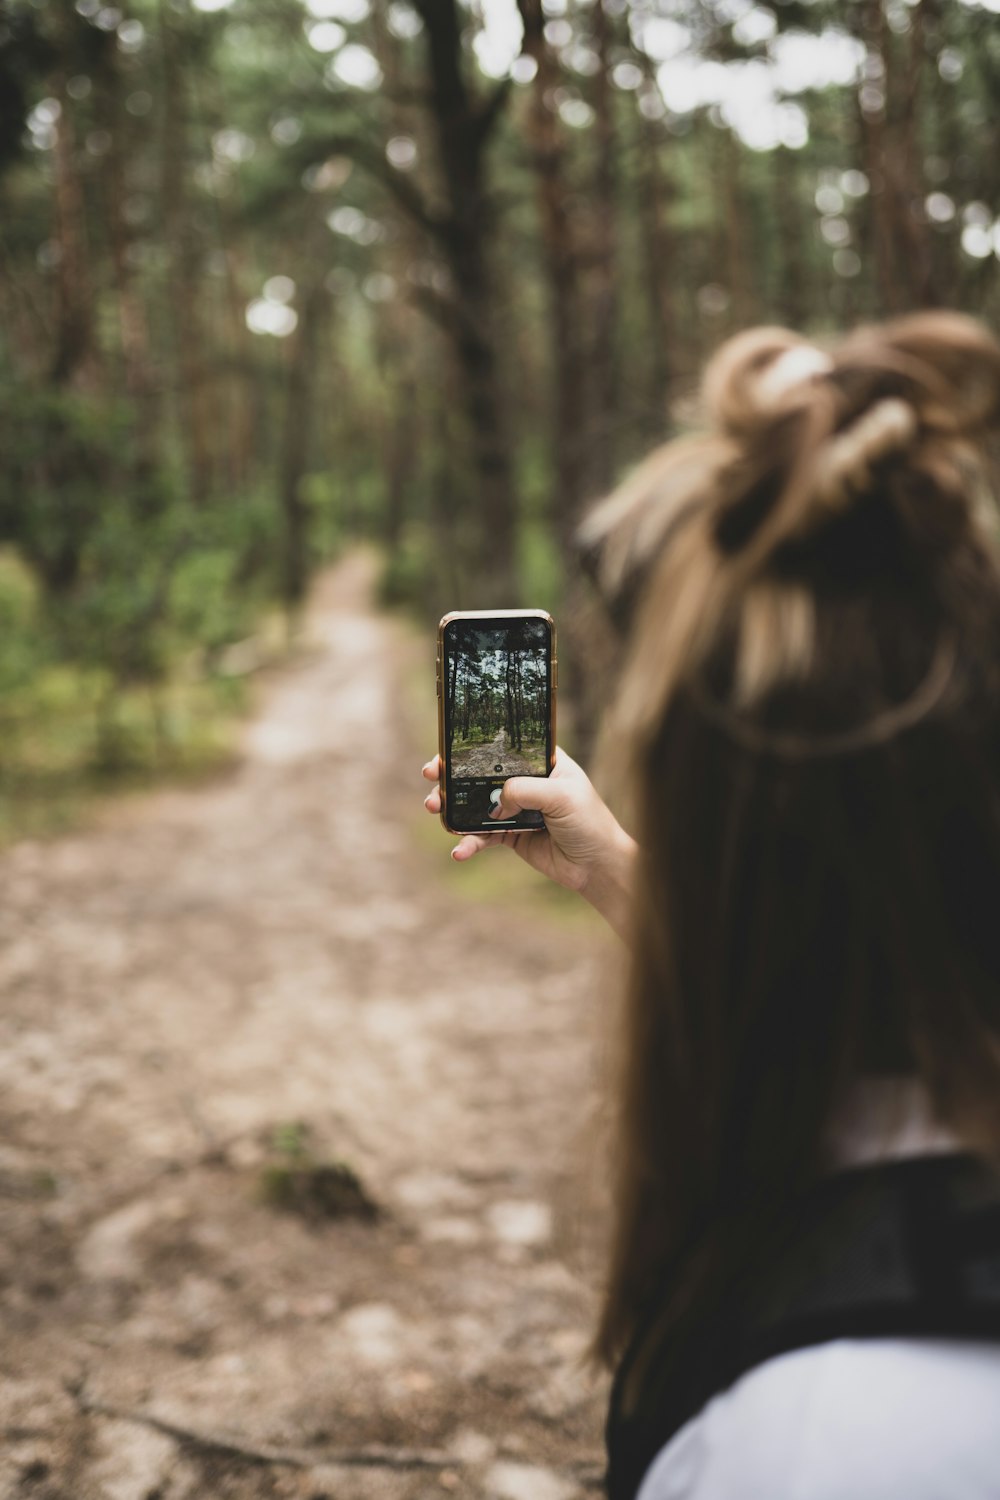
205, 966
483, 760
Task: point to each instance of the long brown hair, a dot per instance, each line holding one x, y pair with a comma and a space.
811, 717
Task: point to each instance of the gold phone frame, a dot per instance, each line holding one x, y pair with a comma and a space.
491, 614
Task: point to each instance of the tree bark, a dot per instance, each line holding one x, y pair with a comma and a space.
740, 249
870, 28
451, 705
915, 239
461, 128
74, 358
183, 273
562, 271
604, 309
132, 329
658, 267
295, 460
396, 335
790, 249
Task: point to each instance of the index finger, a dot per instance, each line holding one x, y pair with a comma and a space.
432, 770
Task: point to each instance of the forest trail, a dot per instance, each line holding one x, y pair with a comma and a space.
483, 760
279, 950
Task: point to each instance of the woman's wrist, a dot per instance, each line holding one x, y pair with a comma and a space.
609, 884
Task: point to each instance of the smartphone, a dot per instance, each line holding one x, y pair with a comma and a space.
496, 684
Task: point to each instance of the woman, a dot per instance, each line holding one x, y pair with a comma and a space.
803, 1296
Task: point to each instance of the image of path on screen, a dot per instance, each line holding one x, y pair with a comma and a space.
498, 695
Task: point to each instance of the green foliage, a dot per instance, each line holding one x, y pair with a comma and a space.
297, 1180
128, 573
63, 455
322, 496
542, 569
22, 649
111, 581
204, 605
411, 570
67, 737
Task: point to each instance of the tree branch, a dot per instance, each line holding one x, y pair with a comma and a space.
439, 308
407, 195
375, 1456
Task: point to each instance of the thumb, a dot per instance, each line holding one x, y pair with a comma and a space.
530, 794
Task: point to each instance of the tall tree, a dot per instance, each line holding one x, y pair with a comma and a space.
561, 260
184, 267
75, 354
604, 273
462, 127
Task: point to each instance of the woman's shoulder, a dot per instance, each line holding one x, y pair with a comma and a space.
883, 1418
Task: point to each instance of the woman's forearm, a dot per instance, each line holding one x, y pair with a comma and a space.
610, 883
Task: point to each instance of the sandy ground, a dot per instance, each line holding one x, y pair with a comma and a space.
204, 966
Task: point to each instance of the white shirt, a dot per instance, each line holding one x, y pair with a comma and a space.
866, 1419
879, 1419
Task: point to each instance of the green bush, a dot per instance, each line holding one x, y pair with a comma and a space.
22, 647
110, 579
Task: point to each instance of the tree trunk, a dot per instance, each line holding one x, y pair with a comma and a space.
396, 334
520, 700
870, 27
183, 272
295, 459
657, 262
450, 704
133, 332
604, 309
74, 358
562, 273
790, 248
243, 433
740, 249
461, 128
913, 235
509, 700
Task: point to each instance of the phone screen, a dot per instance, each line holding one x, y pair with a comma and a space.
497, 688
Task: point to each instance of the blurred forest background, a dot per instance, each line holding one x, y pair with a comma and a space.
278, 274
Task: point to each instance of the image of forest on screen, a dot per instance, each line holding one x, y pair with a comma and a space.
498, 700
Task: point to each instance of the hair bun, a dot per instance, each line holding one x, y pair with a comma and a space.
846, 462
753, 373
798, 365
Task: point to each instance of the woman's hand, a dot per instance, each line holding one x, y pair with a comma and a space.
582, 846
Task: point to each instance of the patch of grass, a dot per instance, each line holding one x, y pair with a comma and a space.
36, 1183
64, 744
297, 1180
69, 737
